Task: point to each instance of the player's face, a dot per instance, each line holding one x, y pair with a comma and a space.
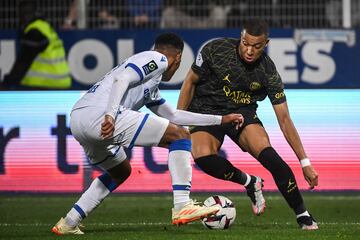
174, 60
251, 47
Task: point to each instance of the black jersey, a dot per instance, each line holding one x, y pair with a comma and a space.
227, 84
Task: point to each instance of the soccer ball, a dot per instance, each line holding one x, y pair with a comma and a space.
223, 218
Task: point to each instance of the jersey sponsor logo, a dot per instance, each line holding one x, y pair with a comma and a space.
255, 86
226, 78
150, 67
238, 97
279, 95
199, 60
146, 93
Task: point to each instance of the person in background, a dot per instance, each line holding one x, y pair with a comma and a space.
333, 10
145, 13
101, 14
41, 62
194, 14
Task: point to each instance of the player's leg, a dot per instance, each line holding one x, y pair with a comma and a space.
117, 170
102, 153
255, 140
99, 189
205, 152
177, 140
158, 131
206, 142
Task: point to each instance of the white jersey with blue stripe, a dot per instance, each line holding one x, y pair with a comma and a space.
149, 67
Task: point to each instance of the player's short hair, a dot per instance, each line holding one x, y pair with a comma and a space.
169, 39
256, 27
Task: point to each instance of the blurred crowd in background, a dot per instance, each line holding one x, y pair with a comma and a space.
115, 14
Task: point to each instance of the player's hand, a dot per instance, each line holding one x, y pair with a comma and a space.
311, 176
235, 118
108, 127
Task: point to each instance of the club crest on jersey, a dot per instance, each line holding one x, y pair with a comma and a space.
255, 86
149, 67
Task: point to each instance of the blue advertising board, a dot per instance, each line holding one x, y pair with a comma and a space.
317, 58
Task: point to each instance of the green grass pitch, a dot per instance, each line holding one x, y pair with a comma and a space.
147, 216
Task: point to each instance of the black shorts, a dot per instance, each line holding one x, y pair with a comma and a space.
219, 131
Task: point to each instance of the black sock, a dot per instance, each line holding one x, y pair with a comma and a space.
221, 168
251, 183
300, 209
284, 178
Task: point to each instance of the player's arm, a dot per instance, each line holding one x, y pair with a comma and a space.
276, 94
187, 90
292, 137
181, 117
199, 69
120, 84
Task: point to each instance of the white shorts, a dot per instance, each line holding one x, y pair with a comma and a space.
132, 128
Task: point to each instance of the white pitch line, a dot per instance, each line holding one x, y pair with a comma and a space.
87, 224
157, 224
232, 196
317, 197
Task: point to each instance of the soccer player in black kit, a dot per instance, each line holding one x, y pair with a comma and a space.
231, 75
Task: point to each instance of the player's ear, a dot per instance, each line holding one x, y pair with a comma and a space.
178, 57
267, 42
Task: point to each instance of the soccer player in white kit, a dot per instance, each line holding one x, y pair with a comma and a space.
105, 120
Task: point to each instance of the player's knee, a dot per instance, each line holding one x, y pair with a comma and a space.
205, 162
203, 150
185, 134
120, 172
181, 133
215, 166
120, 178
174, 133
124, 175
111, 181
270, 159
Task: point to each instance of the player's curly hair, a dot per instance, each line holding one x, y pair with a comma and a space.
169, 39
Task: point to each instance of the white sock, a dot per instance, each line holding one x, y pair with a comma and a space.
306, 213
248, 179
181, 171
90, 199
